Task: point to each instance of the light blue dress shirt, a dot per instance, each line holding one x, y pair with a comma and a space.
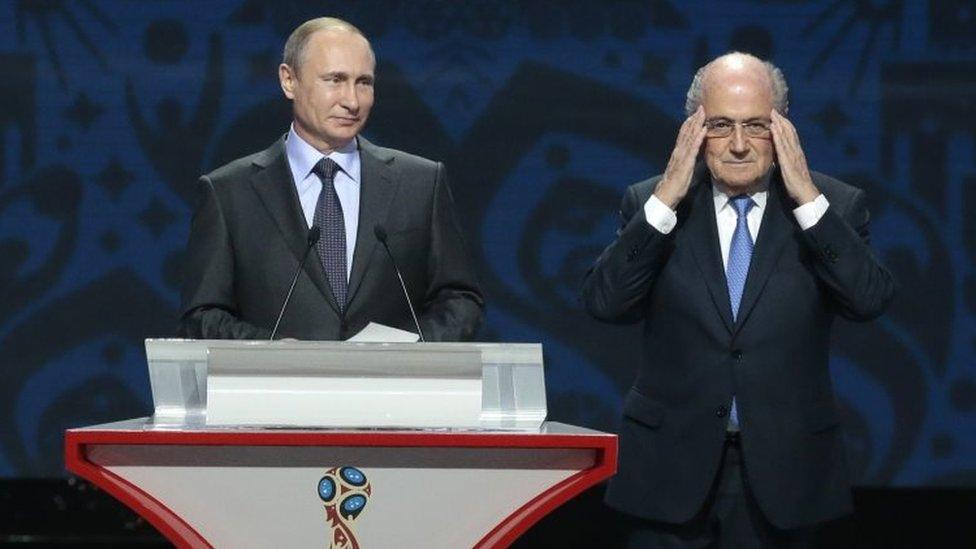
302, 157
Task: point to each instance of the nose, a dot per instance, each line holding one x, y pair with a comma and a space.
739, 143
350, 98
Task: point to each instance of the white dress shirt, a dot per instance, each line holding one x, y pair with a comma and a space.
302, 157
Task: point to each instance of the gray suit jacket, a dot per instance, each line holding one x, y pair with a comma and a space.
773, 357
248, 235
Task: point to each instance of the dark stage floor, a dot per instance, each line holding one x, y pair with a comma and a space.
71, 512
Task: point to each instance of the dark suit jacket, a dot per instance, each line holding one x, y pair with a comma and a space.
773, 358
248, 235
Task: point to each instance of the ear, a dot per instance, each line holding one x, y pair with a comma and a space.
288, 78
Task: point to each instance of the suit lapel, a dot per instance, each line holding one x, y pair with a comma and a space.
774, 232
702, 232
377, 189
276, 189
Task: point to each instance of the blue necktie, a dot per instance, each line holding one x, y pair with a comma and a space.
332, 244
740, 253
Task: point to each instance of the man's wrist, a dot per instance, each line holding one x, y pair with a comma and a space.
807, 194
667, 199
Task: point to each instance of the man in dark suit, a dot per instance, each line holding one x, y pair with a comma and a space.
737, 265
252, 223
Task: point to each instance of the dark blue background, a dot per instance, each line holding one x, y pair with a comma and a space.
544, 111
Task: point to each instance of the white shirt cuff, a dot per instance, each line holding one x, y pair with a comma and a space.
659, 215
810, 213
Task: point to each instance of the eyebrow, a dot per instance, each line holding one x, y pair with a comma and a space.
746, 121
346, 75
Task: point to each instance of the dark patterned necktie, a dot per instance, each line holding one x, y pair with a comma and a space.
332, 244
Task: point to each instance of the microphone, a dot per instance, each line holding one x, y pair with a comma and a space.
313, 238
380, 233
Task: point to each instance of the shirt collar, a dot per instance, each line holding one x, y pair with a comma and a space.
302, 157
722, 200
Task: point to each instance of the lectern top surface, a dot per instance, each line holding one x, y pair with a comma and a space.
143, 431
145, 424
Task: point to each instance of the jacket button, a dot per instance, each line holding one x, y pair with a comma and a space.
634, 252
737, 354
830, 254
721, 411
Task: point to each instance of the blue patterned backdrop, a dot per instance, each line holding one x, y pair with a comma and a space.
545, 111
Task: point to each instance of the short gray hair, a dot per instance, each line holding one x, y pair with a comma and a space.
778, 82
294, 53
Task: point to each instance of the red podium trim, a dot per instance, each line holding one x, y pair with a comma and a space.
521, 520
155, 512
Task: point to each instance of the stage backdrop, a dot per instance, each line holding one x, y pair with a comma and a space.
544, 112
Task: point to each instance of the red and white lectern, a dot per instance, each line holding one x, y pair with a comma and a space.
222, 484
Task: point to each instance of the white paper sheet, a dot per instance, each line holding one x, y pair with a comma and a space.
379, 333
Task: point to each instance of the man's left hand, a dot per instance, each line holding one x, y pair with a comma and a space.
792, 162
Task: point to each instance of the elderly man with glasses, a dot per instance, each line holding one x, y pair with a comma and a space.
736, 260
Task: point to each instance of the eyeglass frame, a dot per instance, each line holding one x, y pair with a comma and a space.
763, 124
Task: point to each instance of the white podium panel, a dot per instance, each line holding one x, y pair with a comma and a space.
210, 487
342, 384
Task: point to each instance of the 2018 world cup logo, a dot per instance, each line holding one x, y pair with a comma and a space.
345, 491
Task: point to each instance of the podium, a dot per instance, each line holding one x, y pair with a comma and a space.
463, 478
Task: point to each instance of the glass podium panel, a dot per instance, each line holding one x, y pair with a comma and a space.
494, 386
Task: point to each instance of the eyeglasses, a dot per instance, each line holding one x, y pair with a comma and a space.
758, 129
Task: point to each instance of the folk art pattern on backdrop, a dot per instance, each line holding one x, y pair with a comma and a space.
544, 111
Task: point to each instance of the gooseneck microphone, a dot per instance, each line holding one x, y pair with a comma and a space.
380, 233
313, 238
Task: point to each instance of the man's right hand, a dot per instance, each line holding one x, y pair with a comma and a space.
677, 176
